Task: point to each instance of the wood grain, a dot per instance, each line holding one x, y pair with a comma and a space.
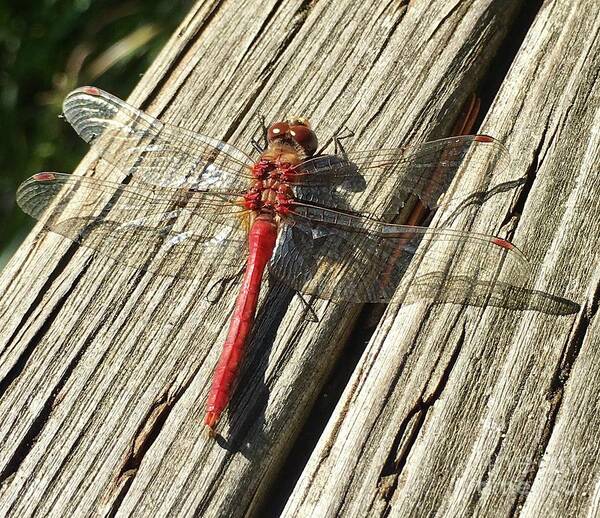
104, 370
460, 410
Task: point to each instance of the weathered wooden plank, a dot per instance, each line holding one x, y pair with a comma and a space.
104, 370
466, 410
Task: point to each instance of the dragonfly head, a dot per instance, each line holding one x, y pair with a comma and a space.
296, 131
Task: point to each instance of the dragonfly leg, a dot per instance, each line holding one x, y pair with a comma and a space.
256, 144
309, 312
341, 134
264, 128
216, 288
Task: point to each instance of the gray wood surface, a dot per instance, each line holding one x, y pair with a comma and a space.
464, 410
457, 408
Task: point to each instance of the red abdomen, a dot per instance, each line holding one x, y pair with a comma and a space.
261, 242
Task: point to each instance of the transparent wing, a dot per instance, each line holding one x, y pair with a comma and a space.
425, 170
348, 258
151, 150
171, 232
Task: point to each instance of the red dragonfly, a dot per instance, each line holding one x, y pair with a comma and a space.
193, 203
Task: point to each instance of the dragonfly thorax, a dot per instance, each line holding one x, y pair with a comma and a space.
270, 191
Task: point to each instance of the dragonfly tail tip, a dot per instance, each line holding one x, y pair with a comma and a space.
210, 420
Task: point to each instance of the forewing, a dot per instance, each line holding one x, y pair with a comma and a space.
349, 181
166, 231
151, 150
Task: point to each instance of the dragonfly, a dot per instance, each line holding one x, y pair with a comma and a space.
191, 204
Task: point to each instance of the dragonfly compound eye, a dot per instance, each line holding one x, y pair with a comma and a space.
277, 130
305, 138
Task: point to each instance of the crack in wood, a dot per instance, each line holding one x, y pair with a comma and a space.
530, 176
499, 66
299, 19
144, 438
402, 9
60, 267
444, 19
24, 447
19, 365
57, 395
270, 16
356, 386
402, 446
177, 59
147, 433
486, 476
558, 384
320, 413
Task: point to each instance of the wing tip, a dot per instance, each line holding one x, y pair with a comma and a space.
73, 95
90, 90
507, 245
30, 189
484, 138
44, 177
503, 243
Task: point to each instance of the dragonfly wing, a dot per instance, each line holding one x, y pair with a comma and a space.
425, 170
151, 150
348, 258
165, 231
